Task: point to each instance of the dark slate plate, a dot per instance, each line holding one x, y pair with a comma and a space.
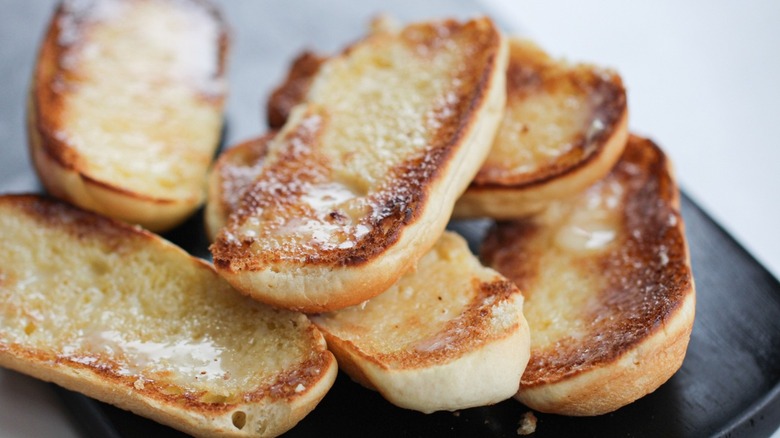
729, 384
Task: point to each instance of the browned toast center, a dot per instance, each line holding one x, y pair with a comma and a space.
601, 272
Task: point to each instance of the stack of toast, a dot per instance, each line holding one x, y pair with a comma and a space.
329, 230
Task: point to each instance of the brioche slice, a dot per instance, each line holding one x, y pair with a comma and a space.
449, 335
361, 180
125, 109
610, 297
121, 315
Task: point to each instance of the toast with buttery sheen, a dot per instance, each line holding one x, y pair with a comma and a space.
610, 298
361, 180
564, 128
125, 108
119, 314
449, 335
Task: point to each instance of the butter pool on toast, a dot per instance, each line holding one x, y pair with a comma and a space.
121, 315
448, 335
361, 180
610, 297
125, 107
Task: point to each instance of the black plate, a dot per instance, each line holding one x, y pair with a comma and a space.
729, 384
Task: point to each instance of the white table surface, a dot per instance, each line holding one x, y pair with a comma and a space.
703, 79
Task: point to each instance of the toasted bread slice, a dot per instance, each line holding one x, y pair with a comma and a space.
125, 109
121, 315
564, 128
361, 180
609, 293
449, 335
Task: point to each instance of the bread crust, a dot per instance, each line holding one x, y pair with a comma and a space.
65, 167
632, 296
292, 91
411, 210
232, 172
32, 225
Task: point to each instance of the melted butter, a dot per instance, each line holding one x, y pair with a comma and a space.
594, 223
589, 237
200, 359
324, 197
441, 341
182, 37
332, 212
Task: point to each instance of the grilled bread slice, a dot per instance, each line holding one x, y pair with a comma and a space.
449, 335
564, 128
609, 293
125, 109
361, 180
121, 315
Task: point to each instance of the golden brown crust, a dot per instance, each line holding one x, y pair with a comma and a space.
293, 90
470, 329
61, 167
403, 200
276, 404
234, 170
647, 288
